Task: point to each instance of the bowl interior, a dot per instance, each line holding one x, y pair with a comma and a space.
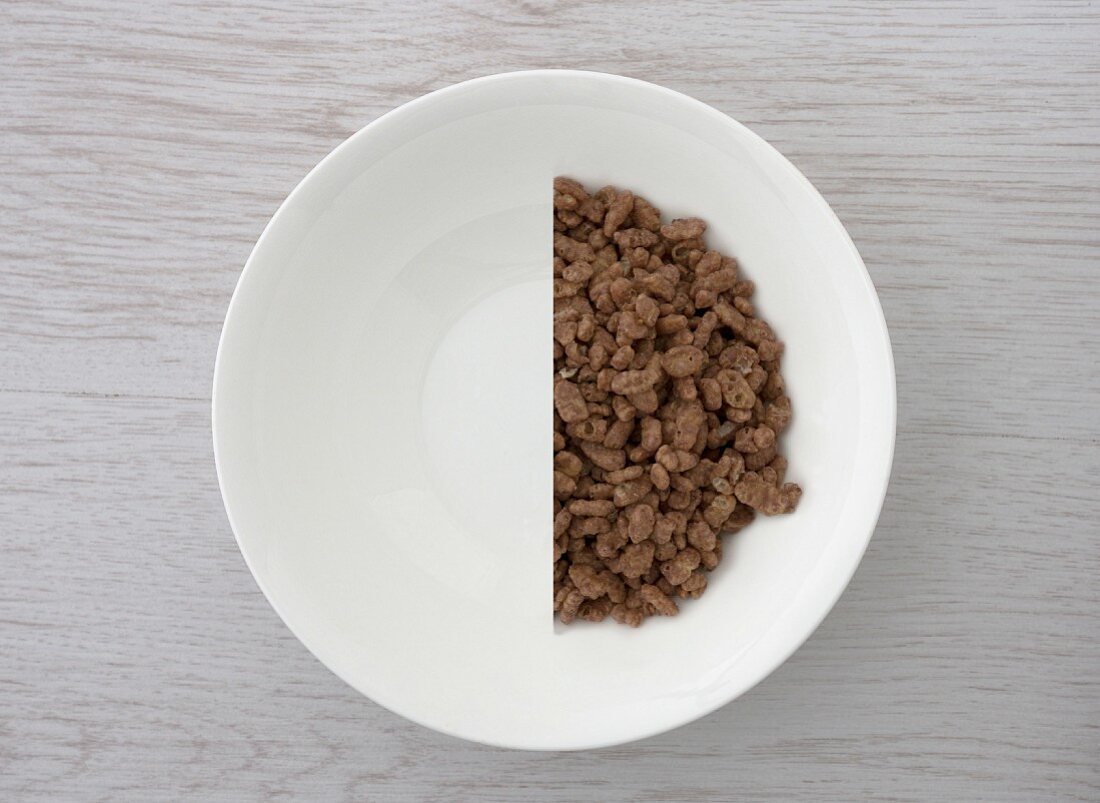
382, 410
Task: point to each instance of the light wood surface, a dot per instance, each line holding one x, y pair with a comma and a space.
145, 145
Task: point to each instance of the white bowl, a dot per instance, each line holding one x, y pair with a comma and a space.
382, 409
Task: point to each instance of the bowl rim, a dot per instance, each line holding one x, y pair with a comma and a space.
886, 450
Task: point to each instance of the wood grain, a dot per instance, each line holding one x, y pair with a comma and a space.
144, 147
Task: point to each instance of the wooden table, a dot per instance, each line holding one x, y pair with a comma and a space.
144, 147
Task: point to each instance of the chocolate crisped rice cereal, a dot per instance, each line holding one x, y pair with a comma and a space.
668, 407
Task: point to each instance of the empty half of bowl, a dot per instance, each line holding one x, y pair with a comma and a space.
382, 410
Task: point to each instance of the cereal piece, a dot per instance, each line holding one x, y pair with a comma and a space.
577, 272
594, 610
694, 586
645, 215
679, 568
589, 525
600, 455
625, 616
756, 377
570, 604
641, 522
779, 466
609, 543
572, 251
630, 383
648, 310
590, 507
627, 493
652, 595
635, 238
569, 402
705, 329
770, 350
670, 324
735, 389
624, 474
770, 500
710, 262
756, 461
590, 429
617, 434
719, 510
617, 212
701, 536
682, 361
685, 388
565, 331
645, 402
687, 228
622, 358
568, 186
636, 559
564, 485
624, 410
777, 414
658, 475
587, 581
711, 393
568, 463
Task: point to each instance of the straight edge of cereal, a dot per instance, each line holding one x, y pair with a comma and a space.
668, 406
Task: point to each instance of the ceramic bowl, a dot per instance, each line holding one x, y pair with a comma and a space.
382, 410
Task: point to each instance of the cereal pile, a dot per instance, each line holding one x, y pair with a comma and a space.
668, 403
